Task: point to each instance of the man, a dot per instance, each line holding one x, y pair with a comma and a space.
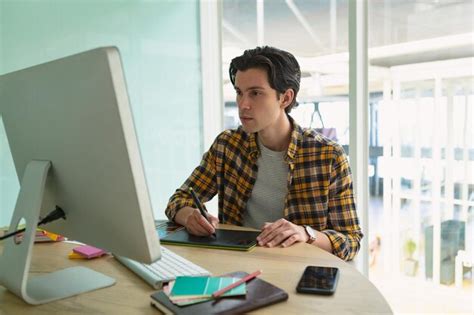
271, 174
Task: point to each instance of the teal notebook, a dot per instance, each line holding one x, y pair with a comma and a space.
203, 287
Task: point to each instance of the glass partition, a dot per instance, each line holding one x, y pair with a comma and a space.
421, 243
421, 148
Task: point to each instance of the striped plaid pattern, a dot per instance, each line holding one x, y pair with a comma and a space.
319, 181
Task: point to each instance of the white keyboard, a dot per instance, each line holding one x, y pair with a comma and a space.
164, 270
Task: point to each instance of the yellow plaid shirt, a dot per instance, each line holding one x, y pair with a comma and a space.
319, 184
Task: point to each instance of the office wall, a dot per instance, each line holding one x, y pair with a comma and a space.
159, 43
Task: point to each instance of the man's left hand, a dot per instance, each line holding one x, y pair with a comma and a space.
281, 233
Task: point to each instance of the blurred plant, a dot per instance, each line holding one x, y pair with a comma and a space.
410, 247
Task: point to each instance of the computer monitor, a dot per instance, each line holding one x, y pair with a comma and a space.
71, 133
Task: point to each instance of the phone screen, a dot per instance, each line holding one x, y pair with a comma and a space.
318, 280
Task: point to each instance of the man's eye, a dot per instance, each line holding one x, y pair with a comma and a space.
255, 93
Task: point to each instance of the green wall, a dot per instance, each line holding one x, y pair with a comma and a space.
160, 48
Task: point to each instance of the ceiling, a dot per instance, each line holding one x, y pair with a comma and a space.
400, 32
326, 32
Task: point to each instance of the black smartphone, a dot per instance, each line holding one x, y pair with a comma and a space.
318, 280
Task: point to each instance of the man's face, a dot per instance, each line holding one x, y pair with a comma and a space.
259, 105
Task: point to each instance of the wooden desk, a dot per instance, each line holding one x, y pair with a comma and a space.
281, 266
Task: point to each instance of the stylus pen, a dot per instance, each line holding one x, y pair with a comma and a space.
235, 284
200, 207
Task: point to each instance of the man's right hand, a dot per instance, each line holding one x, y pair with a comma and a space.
195, 223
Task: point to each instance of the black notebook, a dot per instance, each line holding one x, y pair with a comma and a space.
259, 293
225, 239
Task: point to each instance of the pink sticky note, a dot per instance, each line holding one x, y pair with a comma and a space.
89, 251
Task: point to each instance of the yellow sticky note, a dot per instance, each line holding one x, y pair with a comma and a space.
74, 255
52, 236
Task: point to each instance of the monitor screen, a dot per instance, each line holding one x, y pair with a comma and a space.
75, 113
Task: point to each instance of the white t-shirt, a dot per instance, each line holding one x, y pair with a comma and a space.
267, 201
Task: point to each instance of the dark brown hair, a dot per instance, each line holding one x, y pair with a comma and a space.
283, 71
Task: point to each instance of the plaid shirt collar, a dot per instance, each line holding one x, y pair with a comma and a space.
296, 138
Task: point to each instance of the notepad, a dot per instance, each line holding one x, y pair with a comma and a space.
204, 287
181, 301
89, 251
42, 236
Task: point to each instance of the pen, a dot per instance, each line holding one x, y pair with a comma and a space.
200, 207
235, 284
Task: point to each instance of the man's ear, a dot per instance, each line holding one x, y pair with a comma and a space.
286, 98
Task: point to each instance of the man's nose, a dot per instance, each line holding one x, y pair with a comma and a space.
243, 103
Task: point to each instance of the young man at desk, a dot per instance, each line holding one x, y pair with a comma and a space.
292, 183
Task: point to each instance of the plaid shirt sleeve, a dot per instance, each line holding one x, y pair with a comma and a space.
344, 231
202, 180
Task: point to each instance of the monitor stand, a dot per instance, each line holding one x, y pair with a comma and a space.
16, 258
